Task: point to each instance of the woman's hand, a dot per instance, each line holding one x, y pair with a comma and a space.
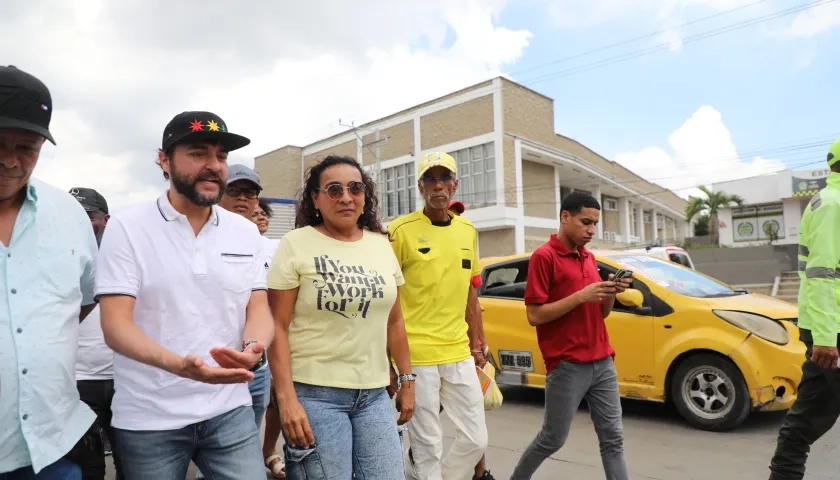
296, 429
405, 401
394, 386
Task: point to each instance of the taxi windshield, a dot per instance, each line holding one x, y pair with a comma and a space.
676, 278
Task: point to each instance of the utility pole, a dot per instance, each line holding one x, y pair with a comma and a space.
377, 169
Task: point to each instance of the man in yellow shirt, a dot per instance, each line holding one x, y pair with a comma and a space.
438, 254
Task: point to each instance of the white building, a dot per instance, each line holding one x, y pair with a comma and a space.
513, 168
773, 204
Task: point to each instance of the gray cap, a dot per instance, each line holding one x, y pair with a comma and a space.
241, 172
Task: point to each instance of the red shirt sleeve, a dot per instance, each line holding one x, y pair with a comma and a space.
476, 281
539, 279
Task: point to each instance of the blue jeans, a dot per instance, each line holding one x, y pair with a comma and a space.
225, 447
60, 470
355, 432
260, 387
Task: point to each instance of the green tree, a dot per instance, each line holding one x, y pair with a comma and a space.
710, 205
701, 227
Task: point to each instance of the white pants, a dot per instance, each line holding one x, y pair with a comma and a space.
456, 387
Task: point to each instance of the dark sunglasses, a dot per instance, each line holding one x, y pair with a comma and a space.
250, 193
336, 190
445, 178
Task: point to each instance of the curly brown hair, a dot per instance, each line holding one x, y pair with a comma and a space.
306, 214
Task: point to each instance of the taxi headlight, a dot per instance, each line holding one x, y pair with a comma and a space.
760, 326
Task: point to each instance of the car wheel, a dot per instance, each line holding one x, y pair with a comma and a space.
710, 393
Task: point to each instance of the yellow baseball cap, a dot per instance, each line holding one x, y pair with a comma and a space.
436, 159
834, 153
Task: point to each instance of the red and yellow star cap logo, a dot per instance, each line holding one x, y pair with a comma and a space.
201, 127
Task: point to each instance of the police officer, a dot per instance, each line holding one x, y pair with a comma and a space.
817, 405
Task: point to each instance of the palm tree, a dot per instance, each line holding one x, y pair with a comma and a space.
710, 205
701, 226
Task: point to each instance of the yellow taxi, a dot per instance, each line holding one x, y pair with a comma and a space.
716, 352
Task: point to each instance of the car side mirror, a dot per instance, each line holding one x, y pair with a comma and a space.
631, 298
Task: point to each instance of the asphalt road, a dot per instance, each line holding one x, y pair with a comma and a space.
658, 445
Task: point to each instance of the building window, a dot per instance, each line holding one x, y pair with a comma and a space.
646, 217
398, 190
476, 175
610, 204
633, 222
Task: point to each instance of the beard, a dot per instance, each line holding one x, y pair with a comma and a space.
186, 187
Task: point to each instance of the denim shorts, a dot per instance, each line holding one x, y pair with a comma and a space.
355, 433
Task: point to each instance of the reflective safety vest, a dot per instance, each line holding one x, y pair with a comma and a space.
819, 264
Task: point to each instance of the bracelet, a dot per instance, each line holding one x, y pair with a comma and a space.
263, 359
407, 377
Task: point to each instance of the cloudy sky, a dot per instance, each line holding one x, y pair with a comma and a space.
750, 89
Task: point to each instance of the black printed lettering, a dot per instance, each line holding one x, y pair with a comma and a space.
346, 290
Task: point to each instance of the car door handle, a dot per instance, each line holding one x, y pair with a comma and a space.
667, 326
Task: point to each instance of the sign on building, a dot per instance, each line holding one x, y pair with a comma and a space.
807, 184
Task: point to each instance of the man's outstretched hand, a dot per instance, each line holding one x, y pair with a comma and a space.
194, 368
228, 357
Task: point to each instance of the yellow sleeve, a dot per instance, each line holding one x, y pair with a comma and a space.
476, 270
819, 290
396, 245
283, 273
398, 275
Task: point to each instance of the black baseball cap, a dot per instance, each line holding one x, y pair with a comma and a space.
25, 102
90, 199
199, 127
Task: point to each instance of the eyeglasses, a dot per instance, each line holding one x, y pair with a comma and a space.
336, 190
445, 178
250, 193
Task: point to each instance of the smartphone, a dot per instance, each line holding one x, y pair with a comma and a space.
622, 273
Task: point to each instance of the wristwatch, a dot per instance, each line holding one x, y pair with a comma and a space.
407, 377
262, 359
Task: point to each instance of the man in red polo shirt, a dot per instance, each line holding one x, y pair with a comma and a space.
567, 302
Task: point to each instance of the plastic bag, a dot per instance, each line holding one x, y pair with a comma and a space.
489, 388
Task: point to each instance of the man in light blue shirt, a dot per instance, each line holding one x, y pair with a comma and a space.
47, 252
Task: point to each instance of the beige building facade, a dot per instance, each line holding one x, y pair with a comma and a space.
513, 170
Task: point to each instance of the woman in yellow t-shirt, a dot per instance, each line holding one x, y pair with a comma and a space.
334, 292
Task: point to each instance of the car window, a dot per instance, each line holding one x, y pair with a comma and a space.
506, 280
675, 278
501, 276
680, 258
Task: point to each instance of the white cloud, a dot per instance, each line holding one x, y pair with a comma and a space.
701, 153
814, 21
278, 72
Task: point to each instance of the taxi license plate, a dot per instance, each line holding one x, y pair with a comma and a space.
516, 360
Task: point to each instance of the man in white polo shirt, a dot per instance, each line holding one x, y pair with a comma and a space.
183, 305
